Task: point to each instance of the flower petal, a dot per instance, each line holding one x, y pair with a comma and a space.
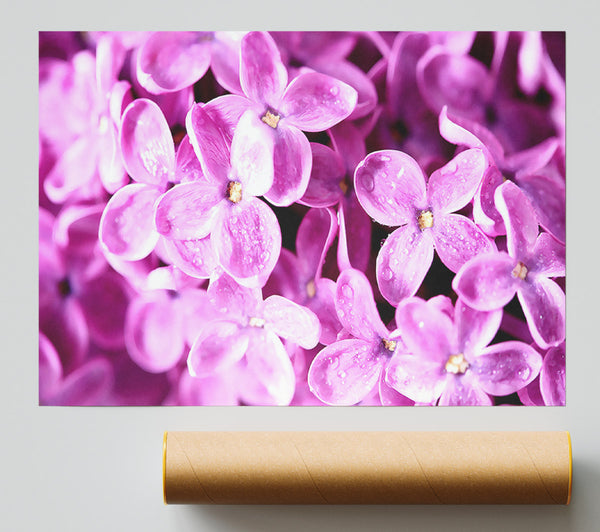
233, 300
146, 143
170, 61
323, 305
462, 390
548, 257
187, 166
316, 102
263, 76
247, 240
315, 235
353, 220
457, 240
451, 187
403, 262
154, 332
292, 161
415, 377
269, 377
475, 329
219, 346
50, 370
127, 223
486, 281
227, 110
356, 308
504, 368
345, 372
252, 155
291, 321
552, 376
485, 214
195, 257
390, 186
543, 303
390, 397
88, 385
187, 210
324, 188
519, 219
225, 60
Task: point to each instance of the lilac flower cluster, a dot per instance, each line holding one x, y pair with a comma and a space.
302, 218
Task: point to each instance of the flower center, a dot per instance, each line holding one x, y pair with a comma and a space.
520, 271
457, 364
425, 219
390, 345
64, 287
344, 185
259, 323
234, 191
311, 289
271, 118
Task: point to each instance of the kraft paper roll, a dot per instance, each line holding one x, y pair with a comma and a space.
367, 467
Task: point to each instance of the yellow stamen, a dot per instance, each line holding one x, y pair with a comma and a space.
520, 271
457, 364
234, 191
271, 119
390, 345
425, 220
256, 322
311, 289
344, 186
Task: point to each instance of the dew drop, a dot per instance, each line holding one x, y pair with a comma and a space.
367, 182
387, 274
347, 291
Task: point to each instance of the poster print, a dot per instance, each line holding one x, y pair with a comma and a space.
302, 218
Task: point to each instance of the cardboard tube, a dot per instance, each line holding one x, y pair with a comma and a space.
367, 467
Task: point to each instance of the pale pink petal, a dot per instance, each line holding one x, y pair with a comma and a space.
252, 155
457, 240
227, 110
543, 303
504, 368
486, 282
225, 60
110, 163
403, 262
356, 308
88, 385
475, 329
390, 186
316, 102
552, 377
325, 185
291, 321
548, 257
127, 223
451, 187
146, 143
415, 377
154, 332
263, 76
210, 144
530, 63
217, 390
237, 302
171, 61
120, 98
390, 397
220, 345
345, 372
463, 390
196, 310
292, 161
110, 55
268, 378
323, 305
195, 257
519, 219
315, 235
485, 214
187, 167
187, 210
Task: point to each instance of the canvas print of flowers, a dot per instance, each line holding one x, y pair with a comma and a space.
302, 218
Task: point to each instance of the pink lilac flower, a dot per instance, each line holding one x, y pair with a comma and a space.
450, 360
310, 102
249, 336
490, 280
244, 231
346, 371
390, 186
549, 387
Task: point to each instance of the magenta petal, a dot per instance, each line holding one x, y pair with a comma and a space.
50, 370
187, 210
390, 186
218, 390
324, 188
171, 61
486, 281
463, 390
146, 143
292, 161
110, 55
269, 377
225, 60
154, 332
292, 321
543, 303
345, 372
323, 305
110, 163
417, 378
356, 308
127, 223
247, 239
188, 166
88, 385
316, 102
354, 222
458, 240
237, 302
485, 214
426, 331
221, 344
390, 397
210, 144
315, 235
263, 76
552, 377
195, 257
548, 257
227, 110
475, 329
504, 368
529, 161
403, 262
519, 219
252, 155
451, 187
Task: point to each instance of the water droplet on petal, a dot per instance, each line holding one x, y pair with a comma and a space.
347, 291
387, 274
367, 182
